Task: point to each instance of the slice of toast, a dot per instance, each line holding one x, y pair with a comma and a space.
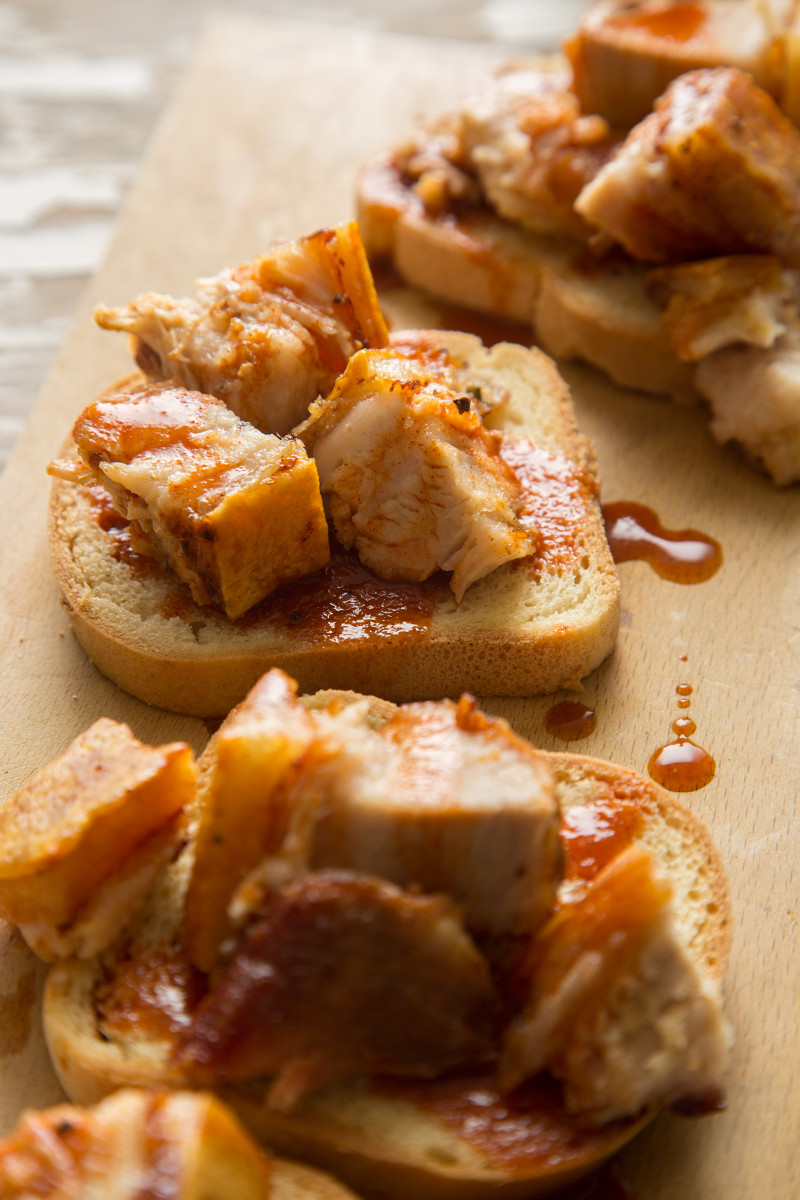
531, 626
420, 1139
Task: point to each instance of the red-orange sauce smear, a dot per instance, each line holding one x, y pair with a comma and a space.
151, 991
677, 22
555, 495
521, 1132
681, 556
593, 834
119, 531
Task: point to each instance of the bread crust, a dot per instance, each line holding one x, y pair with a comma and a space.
514, 633
381, 1143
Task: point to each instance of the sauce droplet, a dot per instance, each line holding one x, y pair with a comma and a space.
684, 689
682, 766
681, 556
570, 721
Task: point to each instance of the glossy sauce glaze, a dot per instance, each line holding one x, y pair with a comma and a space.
556, 493
570, 721
526, 1130
150, 993
677, 22
684, 556
593, 834
118, 529
682, 765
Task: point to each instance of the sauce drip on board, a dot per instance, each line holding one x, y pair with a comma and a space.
634, 532
682, 765
570, 720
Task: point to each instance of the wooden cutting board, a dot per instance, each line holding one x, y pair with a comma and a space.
261, 142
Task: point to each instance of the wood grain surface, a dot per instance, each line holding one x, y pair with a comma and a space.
262, 141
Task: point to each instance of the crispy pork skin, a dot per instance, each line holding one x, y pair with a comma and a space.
414, 481
234, 512
714, 170
344, 974
82, 840
266, 337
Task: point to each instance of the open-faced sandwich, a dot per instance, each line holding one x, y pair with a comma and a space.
149, 1145
403, 944
635, 200
284, 484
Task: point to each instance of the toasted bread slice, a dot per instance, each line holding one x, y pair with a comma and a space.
531, 626
420, 1139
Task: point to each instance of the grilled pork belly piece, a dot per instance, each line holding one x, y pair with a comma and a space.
133, 1144
267, 337
714, 170
446, 799
533, 149
343, 975
625, 54
619, 1011
415, 482
767, 427
747, 299
234, 512
245, 805
84, 838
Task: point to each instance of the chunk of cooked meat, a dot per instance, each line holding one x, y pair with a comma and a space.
82, 840
343, 975
747, 298
415, 482
177, 1146
533, 149
624, 54
245, 805
619, 1011
754, 396
234, 512
448, 800
715, 169
266, 337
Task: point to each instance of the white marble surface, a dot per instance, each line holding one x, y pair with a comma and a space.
82, 84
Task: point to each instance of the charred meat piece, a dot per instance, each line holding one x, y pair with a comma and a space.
266, 337
343, 975
619, 1011
234, 512
415, 482
714, 170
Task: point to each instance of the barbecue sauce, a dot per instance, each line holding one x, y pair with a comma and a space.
681, 556
682, 765
570, 721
